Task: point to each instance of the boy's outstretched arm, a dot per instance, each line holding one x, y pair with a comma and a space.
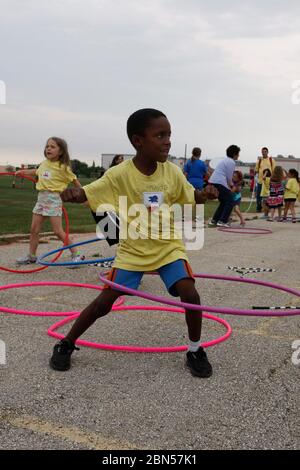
76, 195
77, 183
210, 192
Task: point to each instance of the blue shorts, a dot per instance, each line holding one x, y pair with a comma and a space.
169, 274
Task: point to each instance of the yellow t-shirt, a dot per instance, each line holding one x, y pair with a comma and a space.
263, 164
292, 189
265, 189
165, 187
54, 176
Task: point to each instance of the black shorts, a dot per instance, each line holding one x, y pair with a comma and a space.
290, 199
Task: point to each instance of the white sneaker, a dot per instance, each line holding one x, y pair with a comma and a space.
75, 259
212, 223
223, 224
28, 259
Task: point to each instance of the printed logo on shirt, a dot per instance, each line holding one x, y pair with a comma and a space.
149, 220
46, 174
153, 200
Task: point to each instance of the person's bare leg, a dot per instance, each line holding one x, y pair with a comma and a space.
56, 223
286, 209
36, 226
239, 214
265, 209
293, 211
100, 307
187, 293
272, 212
62, 351
196, 358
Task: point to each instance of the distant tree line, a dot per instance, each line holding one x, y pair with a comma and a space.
82, 169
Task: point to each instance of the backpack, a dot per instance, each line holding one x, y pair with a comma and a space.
270, 161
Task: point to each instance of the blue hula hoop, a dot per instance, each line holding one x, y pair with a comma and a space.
72, 263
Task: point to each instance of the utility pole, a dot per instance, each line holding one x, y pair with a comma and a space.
185, 149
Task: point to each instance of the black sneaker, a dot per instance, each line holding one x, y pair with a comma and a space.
198, 363
61, 357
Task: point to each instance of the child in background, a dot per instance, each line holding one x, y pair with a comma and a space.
237, 180
195, 169
54, 175
275, 199
265, 192
291, 193
117, 160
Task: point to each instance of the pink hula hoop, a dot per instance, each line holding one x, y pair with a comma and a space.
224, 310
117, 307
248, 230
142, 349
49, 283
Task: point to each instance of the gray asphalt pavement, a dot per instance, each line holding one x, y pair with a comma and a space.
113, 400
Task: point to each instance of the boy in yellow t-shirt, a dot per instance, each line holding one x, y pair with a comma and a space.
150, 181
292, 190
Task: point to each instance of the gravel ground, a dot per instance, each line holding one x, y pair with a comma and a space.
112, 400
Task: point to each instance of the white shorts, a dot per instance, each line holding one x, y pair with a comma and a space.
49, 204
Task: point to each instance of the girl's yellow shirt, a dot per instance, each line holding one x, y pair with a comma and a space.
54, 176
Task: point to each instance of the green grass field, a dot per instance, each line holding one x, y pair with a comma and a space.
16, 206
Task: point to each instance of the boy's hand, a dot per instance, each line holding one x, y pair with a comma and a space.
210, 192
73, 195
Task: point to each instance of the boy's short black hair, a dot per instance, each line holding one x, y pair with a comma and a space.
140, 120
232, 151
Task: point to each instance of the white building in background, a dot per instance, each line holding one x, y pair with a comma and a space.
288, 163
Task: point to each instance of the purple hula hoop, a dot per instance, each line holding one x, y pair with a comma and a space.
224, 310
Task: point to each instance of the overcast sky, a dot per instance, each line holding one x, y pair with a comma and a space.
222, 71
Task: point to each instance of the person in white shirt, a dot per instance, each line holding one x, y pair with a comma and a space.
222, 180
